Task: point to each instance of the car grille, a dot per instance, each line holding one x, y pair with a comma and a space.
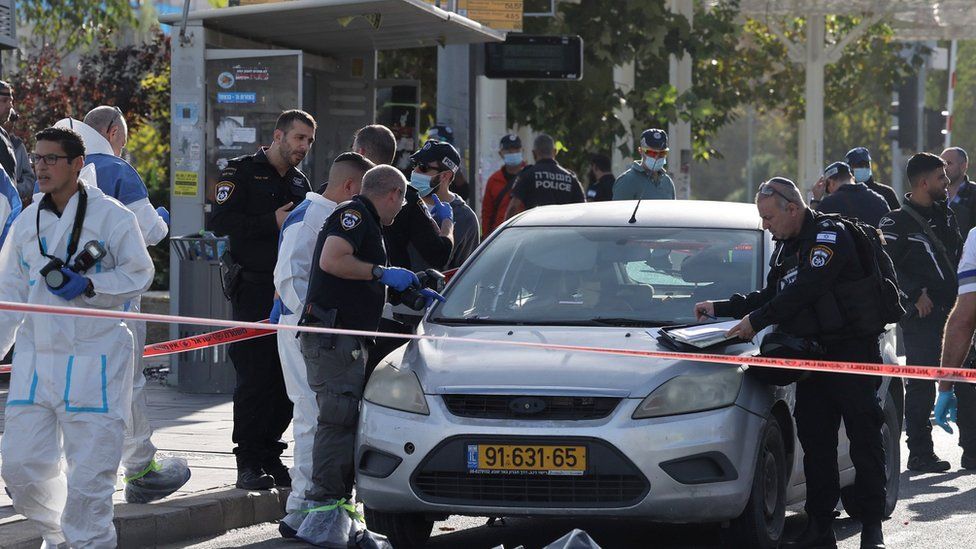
611, 480
530, 407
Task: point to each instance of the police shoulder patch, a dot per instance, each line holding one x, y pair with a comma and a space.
820, 256
350, 219
223, 191
886, 222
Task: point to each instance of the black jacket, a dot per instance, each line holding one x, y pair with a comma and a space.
886, 192
964, 206
802, 271
856, 200
414, 227
917, 261
249, 191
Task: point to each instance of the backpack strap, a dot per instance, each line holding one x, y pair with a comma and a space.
924, 224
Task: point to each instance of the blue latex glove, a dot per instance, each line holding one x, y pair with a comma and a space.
74, 287
275, 315
945, 409
430, 296
164, 213
399, 278
441, 211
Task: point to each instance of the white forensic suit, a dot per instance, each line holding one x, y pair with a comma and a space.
70, 387
118, 179
299, 233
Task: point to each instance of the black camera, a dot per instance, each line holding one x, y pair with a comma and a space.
429, 278
92, 253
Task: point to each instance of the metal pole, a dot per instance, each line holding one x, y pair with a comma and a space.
680, 131
750, 171
623, 79
814, 117
951, 94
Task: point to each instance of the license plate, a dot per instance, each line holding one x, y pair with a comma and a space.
526, 458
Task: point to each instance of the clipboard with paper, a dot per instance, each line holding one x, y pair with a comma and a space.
699, 336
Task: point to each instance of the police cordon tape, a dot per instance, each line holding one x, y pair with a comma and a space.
252, 330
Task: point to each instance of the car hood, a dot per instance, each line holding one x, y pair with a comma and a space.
451, 367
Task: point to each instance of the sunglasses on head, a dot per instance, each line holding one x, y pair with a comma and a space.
767, 189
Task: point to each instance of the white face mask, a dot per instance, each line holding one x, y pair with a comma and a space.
655, 164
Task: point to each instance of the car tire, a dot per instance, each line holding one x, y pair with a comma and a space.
762, 521
891, 438
405, 530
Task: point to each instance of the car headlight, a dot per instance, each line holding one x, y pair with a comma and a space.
397, 389
692, 393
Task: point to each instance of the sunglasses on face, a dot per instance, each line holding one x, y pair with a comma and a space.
651, 153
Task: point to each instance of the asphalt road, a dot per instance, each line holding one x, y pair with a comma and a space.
934, 510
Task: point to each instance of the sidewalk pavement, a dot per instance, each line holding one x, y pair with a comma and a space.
197, 428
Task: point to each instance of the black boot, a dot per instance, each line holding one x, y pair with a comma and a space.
253, 478
871, 536
280, 473
819, 534
928, 464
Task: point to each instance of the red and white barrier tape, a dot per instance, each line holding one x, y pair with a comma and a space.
845, 367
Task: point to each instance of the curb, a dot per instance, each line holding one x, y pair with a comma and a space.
207, 514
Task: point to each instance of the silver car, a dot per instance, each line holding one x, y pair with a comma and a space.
461, 428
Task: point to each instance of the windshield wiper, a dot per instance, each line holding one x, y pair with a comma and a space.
624, 321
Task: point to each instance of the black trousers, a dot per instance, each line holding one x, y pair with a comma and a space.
822, 400
262, 410
924, 348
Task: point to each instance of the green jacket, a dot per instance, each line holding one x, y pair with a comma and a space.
637, 182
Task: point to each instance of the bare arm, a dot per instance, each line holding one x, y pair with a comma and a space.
515, 207
958, 334
337, 260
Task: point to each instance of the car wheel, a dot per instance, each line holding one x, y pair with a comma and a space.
405, 530
761, 523
891, 439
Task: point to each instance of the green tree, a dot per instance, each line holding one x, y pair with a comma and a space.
67, 25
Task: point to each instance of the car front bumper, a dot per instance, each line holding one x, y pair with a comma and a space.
712, 452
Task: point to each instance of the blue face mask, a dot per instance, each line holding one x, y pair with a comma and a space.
512, 159
654, 164
421, 182
862, 174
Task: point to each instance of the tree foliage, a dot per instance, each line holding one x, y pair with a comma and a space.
68, 25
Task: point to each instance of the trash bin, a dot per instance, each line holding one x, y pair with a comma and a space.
206, 370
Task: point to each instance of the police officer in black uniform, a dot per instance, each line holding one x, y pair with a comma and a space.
859, 159
814, 259
252, 199
545, 182
347, 289
847, 197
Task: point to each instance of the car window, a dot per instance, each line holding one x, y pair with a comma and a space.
602, 275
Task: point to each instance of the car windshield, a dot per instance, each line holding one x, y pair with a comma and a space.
632, 276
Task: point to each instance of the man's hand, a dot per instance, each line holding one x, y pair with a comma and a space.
399, 278
704, 310
742, 330
282, 213
441, 211
923, 305
945, 409
819, 188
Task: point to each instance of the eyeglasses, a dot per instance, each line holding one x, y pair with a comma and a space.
49, 159
114, 121
403, 196
655, 154
767, 189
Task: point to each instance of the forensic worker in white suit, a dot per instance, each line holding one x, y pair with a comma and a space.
70, 385
105, 133
296, 246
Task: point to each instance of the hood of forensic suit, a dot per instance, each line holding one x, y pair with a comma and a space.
94, 142
445, 367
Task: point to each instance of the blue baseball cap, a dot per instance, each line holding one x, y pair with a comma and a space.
837, 169
654, 139
858, 155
